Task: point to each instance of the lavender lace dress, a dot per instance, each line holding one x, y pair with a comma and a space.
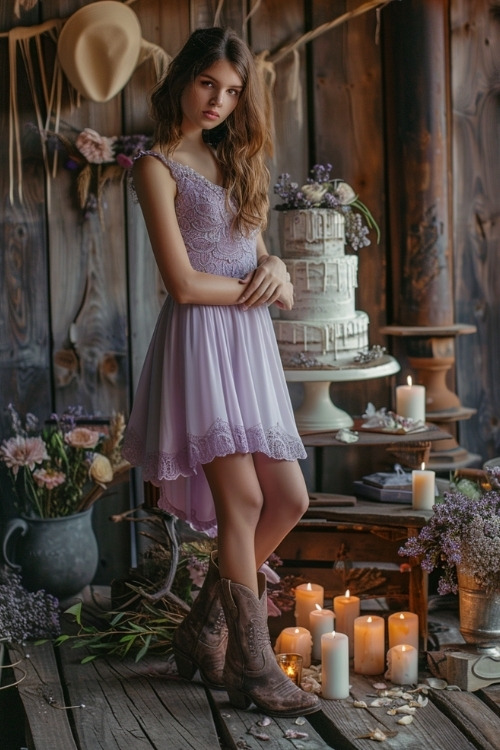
212, 383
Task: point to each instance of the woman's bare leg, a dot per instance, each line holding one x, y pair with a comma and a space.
238, 502
285, 501
258, 500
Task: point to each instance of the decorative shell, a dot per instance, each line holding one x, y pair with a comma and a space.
381, 702
376, 734
437, 683
405, 719
405, 709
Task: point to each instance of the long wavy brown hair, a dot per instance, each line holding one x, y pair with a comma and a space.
242, 141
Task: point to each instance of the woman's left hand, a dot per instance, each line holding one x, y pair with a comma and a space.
269, 283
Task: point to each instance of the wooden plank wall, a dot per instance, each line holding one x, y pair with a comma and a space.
475, 75
78, 299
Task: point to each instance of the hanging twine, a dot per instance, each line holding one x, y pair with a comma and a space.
23, 39
52, 95
319, 30
266, 61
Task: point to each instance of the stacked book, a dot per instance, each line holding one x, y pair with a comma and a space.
386, 487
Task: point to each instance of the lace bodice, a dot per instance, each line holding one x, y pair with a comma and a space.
205, 223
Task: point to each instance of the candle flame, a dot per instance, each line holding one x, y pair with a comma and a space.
401, 616
290, 670
348, 594
422, 465
333, 633
369, 619
403, 648
318, 607
409, 380
309, 587
297, 631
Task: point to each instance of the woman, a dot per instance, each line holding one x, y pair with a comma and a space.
212, 423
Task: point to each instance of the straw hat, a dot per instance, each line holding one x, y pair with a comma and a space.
98, 48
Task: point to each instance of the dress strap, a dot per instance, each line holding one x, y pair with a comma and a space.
158, 155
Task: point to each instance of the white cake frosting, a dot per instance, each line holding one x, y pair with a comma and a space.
324, 328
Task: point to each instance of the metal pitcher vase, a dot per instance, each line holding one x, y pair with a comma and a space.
59, 555
479, 612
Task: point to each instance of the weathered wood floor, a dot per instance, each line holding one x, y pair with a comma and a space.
112, 704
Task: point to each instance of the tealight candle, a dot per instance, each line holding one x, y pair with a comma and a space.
403, 628
295, 641
423, 488
410, 401
307, 595
369, 644
402, 665
334, 665
291, 664
346, 610
320, 621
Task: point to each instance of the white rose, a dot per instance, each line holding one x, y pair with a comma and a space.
101, 470
345, 193
314, 192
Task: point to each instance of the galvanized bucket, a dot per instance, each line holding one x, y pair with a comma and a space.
479, 612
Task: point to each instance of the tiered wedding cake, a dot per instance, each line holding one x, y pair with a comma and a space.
324, 329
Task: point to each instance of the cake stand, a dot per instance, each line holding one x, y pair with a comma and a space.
317, 411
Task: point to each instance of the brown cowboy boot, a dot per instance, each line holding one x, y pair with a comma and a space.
200, 640
251, 673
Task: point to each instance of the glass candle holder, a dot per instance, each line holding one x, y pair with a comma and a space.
291, 664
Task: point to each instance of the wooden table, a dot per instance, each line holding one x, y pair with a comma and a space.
113, 704
399, 445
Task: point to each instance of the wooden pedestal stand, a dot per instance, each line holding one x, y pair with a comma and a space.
431, 354
317, 411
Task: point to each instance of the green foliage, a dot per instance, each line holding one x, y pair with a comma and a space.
148, 629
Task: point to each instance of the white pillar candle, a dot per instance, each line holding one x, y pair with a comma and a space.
369, 644
295, 641
403, 628
334, 665
307, 595
410, 401
402, 665
423, 488
346, 610
320, 621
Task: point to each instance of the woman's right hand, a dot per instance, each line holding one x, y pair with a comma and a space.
286, 299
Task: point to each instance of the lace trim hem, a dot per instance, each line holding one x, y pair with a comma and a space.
222, 439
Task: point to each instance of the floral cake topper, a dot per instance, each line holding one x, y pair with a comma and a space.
323, 191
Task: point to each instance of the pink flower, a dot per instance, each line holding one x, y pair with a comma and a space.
82, 437
271, 575
272, 609
49, 478
19, 451
96, 148
124, 161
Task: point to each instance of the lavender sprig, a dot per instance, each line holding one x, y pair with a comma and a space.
463, 531
26, 615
